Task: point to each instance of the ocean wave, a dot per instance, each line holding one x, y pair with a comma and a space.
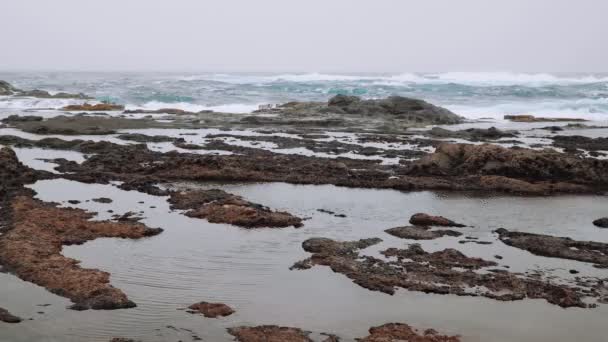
10, 102
590, 109
481, 79
193, 107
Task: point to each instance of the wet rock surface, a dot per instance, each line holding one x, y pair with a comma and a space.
269, 333
211, 310
532, 118
473, 134
420, 233
13, 174
99, 107
601, 222
442, 272
218, 206
580, 142
395, 332
557, 247
82, 125
407, 109
7, 317
31, 249
421, 219
517, 170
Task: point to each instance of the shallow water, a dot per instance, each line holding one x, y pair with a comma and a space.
193, 260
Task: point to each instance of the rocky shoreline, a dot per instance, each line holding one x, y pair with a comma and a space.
382, 152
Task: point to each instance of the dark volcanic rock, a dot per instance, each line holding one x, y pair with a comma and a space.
395, 332
580, 142
102, 200
557, 247
13, 174
472, 134
7, 89
443, 272
211, 310
82, 125
218, 206
422, 219
31, 249
143, 138
517, 170
406, 109
601, 222
420, 233
21, 118
7, 317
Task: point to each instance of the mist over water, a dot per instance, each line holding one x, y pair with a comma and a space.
471, 94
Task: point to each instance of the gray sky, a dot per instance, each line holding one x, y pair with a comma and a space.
310, 35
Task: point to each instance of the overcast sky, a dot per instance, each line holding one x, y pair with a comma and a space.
308, 35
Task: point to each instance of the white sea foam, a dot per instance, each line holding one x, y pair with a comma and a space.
590, 109
193, 107
499, 78
10, 102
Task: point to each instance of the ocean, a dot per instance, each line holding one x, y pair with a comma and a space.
471, 94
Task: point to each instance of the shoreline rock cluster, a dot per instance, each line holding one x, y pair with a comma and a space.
442, 272
218, 206
6, 89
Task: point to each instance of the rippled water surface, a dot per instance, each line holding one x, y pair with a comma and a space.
193, 260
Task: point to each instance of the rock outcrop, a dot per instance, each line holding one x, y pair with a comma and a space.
269, 333
99, 107
31, 249
6, 89
394, 332
519, 170
421, 219
404, 108
601, 222
7, 317
557, 247
218, 206
211, 310
442, 272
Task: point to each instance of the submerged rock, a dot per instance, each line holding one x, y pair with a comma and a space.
422, 219
420, 233
211, 310
601, 222
31, 249
218, 206
7, 317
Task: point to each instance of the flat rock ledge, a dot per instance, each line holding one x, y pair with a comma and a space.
31, 249
218, 206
